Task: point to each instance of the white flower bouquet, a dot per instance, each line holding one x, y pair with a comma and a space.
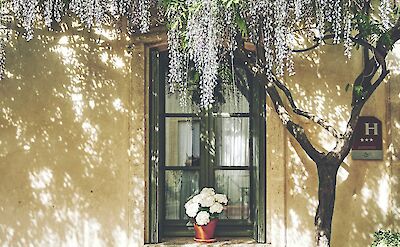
205, 206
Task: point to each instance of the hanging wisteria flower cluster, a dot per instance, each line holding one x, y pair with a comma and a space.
5, 18
385, 12
28, 13
203, 32
90, 12
2, 59
53, 10
177, 74
200, 39
271, 23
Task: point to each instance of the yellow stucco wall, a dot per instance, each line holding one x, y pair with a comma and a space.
73, 150
72, 143
366, 191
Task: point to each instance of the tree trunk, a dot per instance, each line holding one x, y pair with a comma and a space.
327, 171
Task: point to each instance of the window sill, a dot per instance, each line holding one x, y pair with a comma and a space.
189, 242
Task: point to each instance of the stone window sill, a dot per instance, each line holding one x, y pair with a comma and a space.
189, 242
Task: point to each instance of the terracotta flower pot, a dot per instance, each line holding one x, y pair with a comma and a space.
205, 233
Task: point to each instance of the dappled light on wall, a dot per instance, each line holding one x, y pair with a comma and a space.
363, 187
65, 157
394, 60
319, 83
394, 96
301, 200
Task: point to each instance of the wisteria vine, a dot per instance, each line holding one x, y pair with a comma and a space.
201, 32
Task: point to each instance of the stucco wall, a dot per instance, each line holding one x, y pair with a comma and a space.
394, 136
72, 139
366, 190
72, 148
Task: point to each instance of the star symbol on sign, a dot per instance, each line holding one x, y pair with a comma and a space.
362, 139
371, 139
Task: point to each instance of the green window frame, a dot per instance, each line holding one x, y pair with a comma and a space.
159, 226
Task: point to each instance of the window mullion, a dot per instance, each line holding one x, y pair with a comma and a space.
212, 149
203, 151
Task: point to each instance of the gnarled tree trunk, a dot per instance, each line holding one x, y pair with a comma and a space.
327, 163
327, 171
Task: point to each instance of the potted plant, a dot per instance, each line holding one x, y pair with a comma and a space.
204, 209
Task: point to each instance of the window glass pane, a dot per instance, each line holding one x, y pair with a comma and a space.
179, 186
231, 100
236, 185
232, 141
235, 100
172, 104
182, 142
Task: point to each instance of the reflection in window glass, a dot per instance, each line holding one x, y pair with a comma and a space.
182, 142
232, 101
179, 186
172, 104
235, 99
232, 141
236, 185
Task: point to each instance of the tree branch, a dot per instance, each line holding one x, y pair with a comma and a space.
241, 84
323, 123
308, 48
294, 129
318, 42
344, 142
344, 146
298, 132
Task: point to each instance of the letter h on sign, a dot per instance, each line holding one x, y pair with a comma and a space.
367, 144
369, 126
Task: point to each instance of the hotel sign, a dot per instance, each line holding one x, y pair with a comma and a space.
367, 144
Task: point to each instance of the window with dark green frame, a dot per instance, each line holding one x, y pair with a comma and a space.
191, 149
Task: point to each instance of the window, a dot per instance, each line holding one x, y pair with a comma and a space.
191, 149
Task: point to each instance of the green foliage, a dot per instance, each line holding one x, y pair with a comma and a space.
241, 24
358, 90
239, 20
229, 3
367, 27
386, 238
372, 30
387, 41
177, 11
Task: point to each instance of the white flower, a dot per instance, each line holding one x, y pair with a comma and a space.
221, 198
382, 244
191, 208
216, 208
208, 191
198, 198
207, 201
202, 218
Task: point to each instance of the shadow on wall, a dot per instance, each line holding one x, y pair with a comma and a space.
65, 150
363, 202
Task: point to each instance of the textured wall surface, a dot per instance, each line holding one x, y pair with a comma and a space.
366, 190
393, 124
72, 143
73, 150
